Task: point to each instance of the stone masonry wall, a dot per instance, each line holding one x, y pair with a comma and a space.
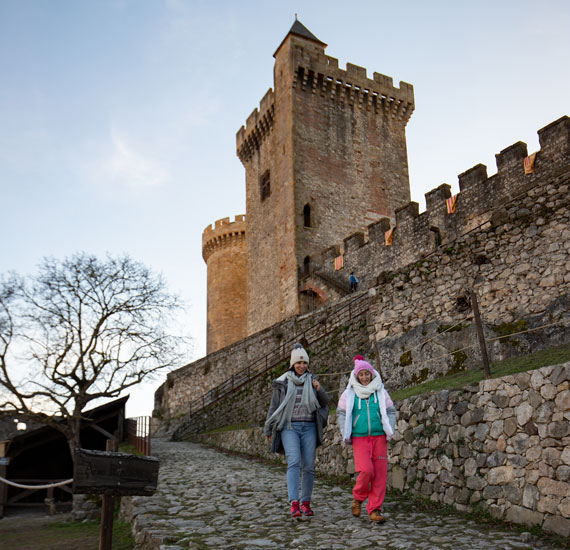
248, 405
482, 202
503, 445
191, 382
321, 132
518, 261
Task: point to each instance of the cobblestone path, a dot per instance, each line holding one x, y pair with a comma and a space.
207, 499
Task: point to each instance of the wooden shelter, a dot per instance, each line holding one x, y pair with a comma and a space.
40, 455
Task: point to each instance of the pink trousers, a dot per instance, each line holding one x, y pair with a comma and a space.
371, 463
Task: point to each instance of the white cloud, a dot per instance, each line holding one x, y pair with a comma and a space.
125, 165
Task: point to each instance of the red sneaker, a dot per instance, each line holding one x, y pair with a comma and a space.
295, 511
306, 508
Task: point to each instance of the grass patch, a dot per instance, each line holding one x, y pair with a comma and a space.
122, 538
130, 449
39, 533
551, 356
242, 426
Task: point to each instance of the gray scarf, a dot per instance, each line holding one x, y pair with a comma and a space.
282, 415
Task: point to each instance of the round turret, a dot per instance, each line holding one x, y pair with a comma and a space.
223, 250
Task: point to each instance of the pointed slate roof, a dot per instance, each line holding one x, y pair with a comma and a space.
299, 29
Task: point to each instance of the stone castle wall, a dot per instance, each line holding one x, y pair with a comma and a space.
503, 445
518, 262
189, 383
481, 203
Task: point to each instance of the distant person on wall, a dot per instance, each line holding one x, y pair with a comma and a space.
367, 417
296, 418
353, 282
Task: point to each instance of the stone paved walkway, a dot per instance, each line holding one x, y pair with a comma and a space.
207, 499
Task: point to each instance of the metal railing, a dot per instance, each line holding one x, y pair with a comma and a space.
138, 433
356, 307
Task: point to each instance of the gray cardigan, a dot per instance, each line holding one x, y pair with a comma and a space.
277, 396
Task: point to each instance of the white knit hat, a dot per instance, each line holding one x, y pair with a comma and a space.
299, 354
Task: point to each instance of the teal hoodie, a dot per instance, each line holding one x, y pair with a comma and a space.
366, 417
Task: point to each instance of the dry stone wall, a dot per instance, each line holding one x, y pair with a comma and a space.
503, 445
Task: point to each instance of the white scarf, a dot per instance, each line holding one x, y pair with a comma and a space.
282, 415
363, 392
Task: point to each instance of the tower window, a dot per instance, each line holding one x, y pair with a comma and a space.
264, 185
307, 266
307, 216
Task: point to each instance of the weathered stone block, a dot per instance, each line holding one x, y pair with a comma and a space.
501, 475
552, 487
559, 429
558, 525
530, 497
523, 413
475, 483
518, 514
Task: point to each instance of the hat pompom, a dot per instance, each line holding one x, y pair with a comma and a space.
358, 357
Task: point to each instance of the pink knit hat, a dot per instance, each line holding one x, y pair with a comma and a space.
361, 364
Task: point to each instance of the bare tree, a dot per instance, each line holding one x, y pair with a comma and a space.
81, 329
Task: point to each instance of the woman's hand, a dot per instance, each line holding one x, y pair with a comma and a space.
268, 438
316, 385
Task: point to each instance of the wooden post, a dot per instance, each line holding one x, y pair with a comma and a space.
107, 510
480, 335
3, 487
376, 351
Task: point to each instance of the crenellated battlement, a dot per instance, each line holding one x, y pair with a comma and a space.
416, 235
222, 234
258, 127
320, 74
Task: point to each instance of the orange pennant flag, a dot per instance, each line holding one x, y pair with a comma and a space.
529, 164
388, 237
451, 204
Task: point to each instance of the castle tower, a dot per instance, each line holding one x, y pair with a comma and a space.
325, 148
223, 250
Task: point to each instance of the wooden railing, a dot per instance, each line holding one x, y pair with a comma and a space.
356, 307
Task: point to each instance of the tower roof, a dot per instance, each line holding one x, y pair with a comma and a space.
299, 29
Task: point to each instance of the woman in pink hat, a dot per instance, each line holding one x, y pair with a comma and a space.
366, 417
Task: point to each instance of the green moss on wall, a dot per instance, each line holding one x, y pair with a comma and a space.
506, 329
419, 377
452, 328
458, 365
406, 358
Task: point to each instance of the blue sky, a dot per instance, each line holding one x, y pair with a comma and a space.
118, 117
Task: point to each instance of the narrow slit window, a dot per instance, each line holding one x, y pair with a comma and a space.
307, 216
264, 185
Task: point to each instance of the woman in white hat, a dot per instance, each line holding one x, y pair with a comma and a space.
296, 418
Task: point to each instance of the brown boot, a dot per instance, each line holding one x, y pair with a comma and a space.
356, 508
377, 516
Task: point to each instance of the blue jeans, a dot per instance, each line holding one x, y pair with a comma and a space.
300, 444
